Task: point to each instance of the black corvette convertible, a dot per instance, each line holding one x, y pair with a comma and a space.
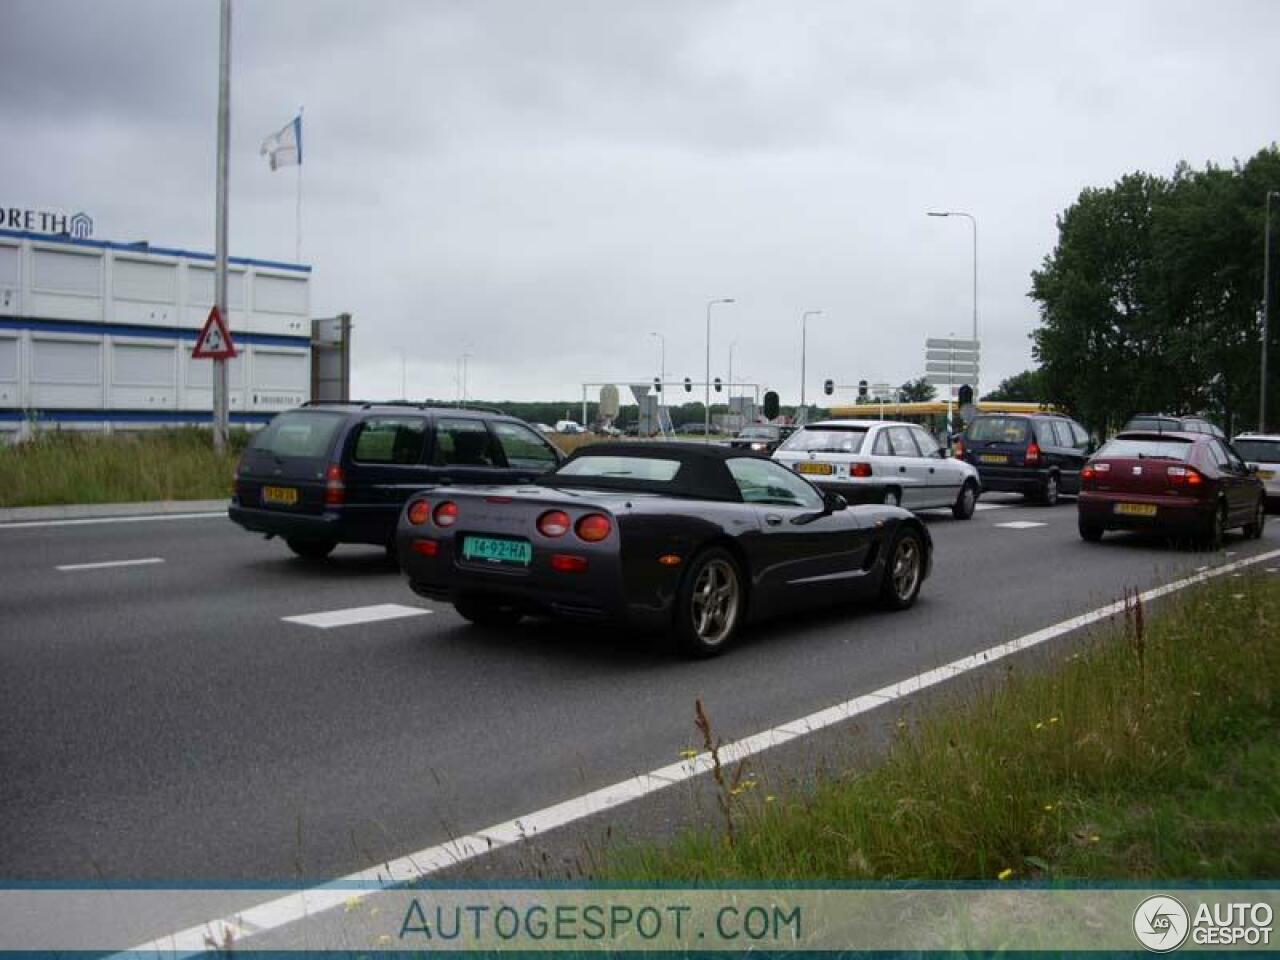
688, 538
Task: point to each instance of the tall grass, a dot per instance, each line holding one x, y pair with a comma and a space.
61, 467
1154, 752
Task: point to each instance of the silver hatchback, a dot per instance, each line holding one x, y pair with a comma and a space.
873, 461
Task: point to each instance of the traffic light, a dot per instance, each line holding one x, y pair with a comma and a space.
862, 389
717, 384
828, 387
770, 404
657, 385
688, 385
966, 395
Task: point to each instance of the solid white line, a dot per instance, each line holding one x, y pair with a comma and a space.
105, 564
329, 619
24, 524
303, 903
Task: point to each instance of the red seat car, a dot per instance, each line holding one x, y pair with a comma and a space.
1188, 484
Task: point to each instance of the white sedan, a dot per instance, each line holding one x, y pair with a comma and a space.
874, 461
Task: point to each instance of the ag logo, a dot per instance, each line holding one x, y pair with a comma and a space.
1161, 923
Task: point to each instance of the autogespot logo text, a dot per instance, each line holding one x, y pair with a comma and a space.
1161, 923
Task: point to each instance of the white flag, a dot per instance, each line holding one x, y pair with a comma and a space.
284, 147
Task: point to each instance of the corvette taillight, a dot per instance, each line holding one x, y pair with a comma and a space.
446, 514
594, 527
554, 523
419, 512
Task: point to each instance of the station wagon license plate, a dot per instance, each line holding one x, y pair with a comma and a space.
1136, 509
495, 550
280, 496
1266, 474
993, 458
816, 469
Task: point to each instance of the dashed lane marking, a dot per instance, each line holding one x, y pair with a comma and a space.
106, 564
1020, 524
329, 619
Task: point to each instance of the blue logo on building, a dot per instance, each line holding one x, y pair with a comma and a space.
81, 226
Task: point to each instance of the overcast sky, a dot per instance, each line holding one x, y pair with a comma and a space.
541, 184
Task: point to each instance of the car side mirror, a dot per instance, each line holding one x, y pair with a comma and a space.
1251, 468
833, 502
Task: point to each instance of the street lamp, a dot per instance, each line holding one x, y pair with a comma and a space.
1266, 315
804, 349
974, 224
662, 358
706, 426
729, 384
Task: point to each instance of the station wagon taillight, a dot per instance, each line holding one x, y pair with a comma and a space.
554, 523
1033, 453
335, 489
859, 469
446, 514
594, 527
419, 512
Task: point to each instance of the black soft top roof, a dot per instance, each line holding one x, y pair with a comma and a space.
702, 474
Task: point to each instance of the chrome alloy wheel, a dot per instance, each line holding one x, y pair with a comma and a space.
714, 603
905, 572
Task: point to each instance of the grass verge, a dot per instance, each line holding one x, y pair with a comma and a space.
65, 467
1153, 752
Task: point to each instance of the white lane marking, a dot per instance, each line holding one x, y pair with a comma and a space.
1020, 524
105, 564
992, 506
24, 524
352, 615
300, 904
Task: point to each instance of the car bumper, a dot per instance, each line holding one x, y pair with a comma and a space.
1005, 480
371, 526
1173, 514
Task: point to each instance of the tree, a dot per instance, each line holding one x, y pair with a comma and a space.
915, 391
1026, 386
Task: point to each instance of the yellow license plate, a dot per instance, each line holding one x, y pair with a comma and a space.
1136, 509
1266, 474
281, 496
993, 458
819, 469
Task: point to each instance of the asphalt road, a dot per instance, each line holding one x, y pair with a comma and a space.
162, 721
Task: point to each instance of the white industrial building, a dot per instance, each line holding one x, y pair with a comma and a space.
98, 335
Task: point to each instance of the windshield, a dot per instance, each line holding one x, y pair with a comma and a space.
826, 439
998, 430
299, 434
1258, 451
1169, 449
631, 468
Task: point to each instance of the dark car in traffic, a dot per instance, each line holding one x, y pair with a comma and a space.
761, 437
1181, 484
690, 539
1172, 423
326, 474
1039, 455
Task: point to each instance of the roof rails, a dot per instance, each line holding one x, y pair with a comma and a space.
413, 404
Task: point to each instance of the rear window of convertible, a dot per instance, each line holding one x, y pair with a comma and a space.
651, 469
299, 434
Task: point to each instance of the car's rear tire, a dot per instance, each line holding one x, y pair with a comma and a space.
1215, 531
1049, 492
311, 549
903, 570
1090, 532
486, 611
1254, 530
892, 497
967, 502
711, 604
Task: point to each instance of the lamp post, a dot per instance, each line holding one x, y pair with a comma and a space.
706, 426
1266, 315
662, 357
973, 222
729, 384
804, 349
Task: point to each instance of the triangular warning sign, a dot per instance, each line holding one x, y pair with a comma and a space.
214, 342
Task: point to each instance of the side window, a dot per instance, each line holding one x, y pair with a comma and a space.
903, 445
464, 443
929, 447
1081, 437
882, 448
396, 440
524, 448
1044, 433
1063, 429
765, 481
1220, 455
1236, 461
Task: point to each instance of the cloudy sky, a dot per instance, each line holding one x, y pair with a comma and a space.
541, 183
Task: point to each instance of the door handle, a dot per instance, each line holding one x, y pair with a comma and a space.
772, 519
902, 469
931, 469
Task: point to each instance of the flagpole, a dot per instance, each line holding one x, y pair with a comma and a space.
297, 230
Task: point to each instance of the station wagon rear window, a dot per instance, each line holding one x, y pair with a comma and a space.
299, 434
1168, 449
651, 469
829, 439
998, 430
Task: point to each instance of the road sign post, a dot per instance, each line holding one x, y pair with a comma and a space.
221, 400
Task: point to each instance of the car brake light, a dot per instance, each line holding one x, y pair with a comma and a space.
335, 490
428, 548
1185, 476
1091, 470
594, 527
859, 469
554, 523
959, 449
446, 514
1033, 453
568, 563
419, 512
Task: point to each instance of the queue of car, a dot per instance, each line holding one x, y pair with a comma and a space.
480, 510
